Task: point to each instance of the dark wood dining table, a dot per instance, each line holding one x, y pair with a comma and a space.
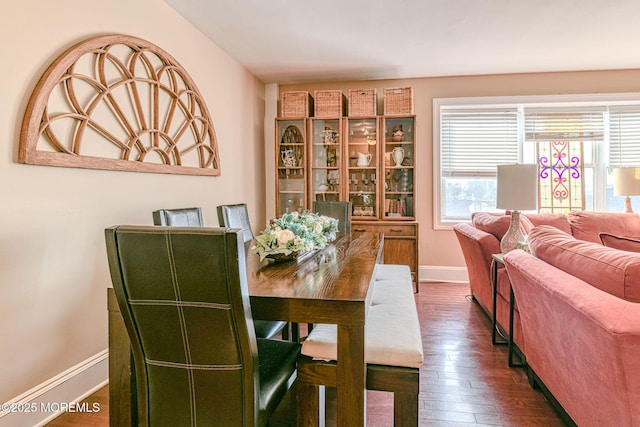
332, 285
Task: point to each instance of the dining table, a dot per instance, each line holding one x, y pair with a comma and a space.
332, 285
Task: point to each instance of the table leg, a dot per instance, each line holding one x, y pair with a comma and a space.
512, 364
307, 400
351, 376
494, 283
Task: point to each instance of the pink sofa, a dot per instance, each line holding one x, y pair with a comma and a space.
580, 317
480, 239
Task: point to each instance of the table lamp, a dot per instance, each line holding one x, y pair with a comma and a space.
626, 183
517, 191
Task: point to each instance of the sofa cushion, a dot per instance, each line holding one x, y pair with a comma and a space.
492, 223
619, 242
559, 221
587, 225
611, 270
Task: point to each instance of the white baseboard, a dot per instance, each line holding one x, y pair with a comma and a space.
46, 401
443, 274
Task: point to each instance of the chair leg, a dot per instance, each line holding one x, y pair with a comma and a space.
286, 332
405, 409
295, 332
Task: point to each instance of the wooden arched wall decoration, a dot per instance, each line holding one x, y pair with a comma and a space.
118, 102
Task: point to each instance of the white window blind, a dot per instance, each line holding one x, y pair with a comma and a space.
473, 142
624, 137
559, 125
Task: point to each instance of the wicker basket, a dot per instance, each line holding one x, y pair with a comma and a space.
329, 103
363, 102
297, 103
398, 101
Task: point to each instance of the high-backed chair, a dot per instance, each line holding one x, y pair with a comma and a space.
192, 217
237, 216
183, 295
187, 217
334, 209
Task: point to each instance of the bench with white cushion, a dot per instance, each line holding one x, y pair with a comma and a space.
392, 272
393, 345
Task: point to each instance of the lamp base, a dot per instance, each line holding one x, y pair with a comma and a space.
627, 205
513, 235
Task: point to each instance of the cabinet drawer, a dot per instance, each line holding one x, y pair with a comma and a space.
388, 229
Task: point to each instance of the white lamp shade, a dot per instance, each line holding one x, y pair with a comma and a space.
517, 187
626, 181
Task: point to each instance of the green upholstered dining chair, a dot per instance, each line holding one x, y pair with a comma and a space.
185, 217
237, 216
183, 294
192, 217
334, 209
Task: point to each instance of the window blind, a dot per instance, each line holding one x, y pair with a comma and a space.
473, 142
554, 125
624, 137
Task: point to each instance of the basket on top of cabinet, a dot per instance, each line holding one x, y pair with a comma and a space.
398, 101
297, 103
329, 103
363, 102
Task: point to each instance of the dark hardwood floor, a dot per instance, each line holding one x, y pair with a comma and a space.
465, 381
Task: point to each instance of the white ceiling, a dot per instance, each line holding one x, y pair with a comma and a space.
294, 41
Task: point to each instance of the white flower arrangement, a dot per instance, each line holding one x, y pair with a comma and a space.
295, 233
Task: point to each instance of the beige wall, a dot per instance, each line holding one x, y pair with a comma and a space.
440, 248
53, 266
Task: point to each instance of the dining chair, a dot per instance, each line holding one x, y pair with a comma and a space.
334, 209
237, 216
185, 217
192, 217
183, 295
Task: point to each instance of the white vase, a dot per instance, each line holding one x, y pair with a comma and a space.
398, 155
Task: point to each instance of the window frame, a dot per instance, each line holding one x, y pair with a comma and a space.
521, 102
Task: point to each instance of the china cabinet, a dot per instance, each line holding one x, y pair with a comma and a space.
291, 159
393, 174
362, 171
369, 161
398, 167
325, 159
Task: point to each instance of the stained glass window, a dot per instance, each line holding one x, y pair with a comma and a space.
561, 174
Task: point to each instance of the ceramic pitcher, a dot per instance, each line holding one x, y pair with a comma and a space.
364, 159
288, 158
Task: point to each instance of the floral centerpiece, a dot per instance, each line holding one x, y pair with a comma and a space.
293, 234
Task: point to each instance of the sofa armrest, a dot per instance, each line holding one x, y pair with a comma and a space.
582, 343
477, 247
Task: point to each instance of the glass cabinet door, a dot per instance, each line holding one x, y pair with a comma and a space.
362, 161
398, 167
326, 158
291, 165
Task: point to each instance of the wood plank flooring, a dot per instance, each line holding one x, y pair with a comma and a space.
465, 381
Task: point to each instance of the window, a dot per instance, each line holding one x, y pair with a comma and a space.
575, 139
469, 180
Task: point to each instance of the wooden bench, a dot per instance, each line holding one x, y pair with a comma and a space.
393, 349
